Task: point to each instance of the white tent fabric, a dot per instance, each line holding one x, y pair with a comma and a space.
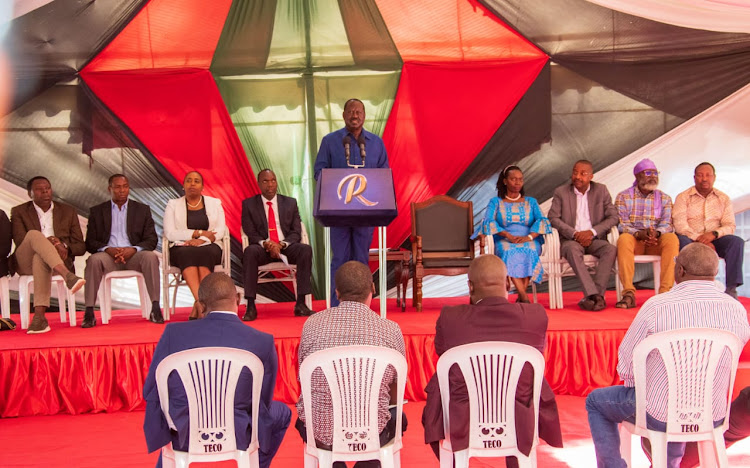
719, 135
710, 15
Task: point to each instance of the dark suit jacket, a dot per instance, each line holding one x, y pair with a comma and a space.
23, 218
562, 213
140, 226
6, 239
255, 224
216, 329
494, 319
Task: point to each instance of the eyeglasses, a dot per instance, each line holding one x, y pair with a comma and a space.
650, 173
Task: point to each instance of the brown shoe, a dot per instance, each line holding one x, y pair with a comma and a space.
73, 282
39, 324
627, 301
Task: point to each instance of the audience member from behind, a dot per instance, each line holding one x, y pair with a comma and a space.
274, 230
490, 317
693, 302
704, 214
352, 323
220, 327
48, 237
646, 228
194, 225
121, 236
583, 213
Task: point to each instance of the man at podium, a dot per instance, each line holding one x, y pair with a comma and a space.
355, 147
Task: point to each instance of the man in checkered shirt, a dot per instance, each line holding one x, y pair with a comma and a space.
694, 302
351, 323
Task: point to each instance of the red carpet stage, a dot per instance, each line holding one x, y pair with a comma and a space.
71, 370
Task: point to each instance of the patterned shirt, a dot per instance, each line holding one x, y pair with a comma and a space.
694, 214
689, 304
638, 211
351, 323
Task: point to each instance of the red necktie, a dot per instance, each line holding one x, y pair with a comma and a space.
272, 234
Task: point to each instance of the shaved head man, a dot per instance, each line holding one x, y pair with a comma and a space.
490, 317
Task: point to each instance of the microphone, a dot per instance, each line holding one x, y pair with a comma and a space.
361, 143
347, 142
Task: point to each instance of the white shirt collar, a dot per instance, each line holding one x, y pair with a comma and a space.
222, 312
584, 193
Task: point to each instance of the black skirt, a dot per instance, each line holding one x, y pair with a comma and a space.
183, 256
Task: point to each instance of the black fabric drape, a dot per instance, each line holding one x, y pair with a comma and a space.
369, 39
522, 133
52, 43
246, 38
678, 70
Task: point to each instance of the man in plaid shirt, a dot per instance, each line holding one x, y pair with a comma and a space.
351, 323
645, 228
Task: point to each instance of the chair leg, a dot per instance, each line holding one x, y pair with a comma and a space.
24, 300
143, 294
625, 445
310, 461
533, 292
418, 292
461, 459
62, 301
658, 449
5, 296
657, 276
174, 296
105, 300
446, 457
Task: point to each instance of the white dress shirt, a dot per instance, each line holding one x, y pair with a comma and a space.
45, 220
583, 216
275, 203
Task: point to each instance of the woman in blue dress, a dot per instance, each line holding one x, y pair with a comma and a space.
517, 226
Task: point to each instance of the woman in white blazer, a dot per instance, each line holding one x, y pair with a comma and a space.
194, 226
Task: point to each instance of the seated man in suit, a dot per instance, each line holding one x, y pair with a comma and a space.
704, 214
645, 228
583, 213
219, 327
273, 228
351, 323
490, 317
121, 236
48, 237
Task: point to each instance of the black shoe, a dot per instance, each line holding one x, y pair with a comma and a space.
156, 316
599, 303
587, 303
301, 310
251, 313
89, 320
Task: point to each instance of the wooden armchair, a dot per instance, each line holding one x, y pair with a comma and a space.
441, 244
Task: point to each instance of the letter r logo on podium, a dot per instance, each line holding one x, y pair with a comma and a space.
355, 184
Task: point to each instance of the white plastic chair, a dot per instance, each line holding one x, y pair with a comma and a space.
654, 260
491, 370
105, 294
209, 376
354, 375
547, 251
691, 358
557, 266
25, 286
5, 296
288, 272
172, 276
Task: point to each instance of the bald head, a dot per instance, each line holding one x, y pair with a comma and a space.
487, 275
217, 292
354, 282
696, 261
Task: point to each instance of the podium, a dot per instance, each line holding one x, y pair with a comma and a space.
356, 198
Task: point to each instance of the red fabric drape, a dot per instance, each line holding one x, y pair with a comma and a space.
166, 34
443, 116
182, 119
110, 378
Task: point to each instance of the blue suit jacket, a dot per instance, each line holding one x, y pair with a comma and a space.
215, 329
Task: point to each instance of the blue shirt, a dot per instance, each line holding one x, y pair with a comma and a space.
118, 233
331, 153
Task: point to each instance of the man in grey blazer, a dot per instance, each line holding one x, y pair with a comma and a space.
583, 213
